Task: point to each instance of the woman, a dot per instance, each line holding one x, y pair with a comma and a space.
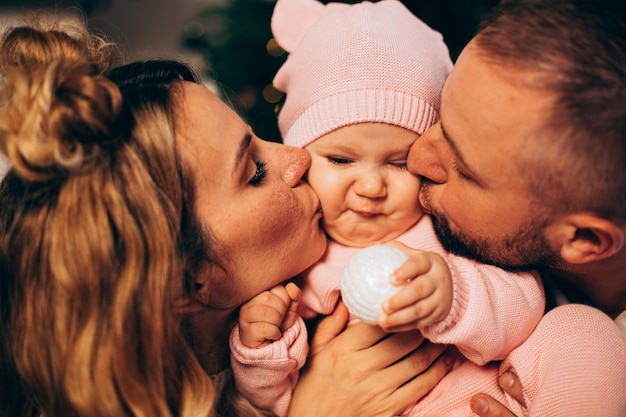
140, 212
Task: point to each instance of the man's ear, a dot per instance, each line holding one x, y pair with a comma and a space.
585, 238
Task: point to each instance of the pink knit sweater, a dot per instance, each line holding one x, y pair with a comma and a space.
494, 313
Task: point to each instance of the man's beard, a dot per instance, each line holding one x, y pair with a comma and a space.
526, 249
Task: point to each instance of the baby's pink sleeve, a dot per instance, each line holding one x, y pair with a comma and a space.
493, 310
267, 376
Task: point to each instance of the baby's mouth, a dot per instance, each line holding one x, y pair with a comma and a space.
365, 213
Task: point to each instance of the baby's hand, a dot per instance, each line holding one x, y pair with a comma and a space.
426, 297
263, 319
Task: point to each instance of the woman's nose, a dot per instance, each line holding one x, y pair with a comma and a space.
296, 162
424, 159
371, 184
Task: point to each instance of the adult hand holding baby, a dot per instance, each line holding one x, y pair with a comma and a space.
381, 374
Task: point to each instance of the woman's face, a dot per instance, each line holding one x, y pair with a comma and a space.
250, 195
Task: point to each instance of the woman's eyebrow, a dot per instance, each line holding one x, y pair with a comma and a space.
244, 144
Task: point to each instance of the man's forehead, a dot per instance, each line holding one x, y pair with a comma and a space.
484, 114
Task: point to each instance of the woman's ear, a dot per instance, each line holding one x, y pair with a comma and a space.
203, 288
585, 238
198, 300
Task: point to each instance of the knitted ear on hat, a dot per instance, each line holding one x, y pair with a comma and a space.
292, 19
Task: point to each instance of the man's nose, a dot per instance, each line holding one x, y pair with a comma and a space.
424, 160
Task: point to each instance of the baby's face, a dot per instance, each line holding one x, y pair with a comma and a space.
359, 173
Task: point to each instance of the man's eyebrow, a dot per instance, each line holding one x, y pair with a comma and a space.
455, 150
243, 148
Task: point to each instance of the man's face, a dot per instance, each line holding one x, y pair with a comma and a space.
472, 186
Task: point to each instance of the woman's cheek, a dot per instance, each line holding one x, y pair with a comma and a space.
279, 217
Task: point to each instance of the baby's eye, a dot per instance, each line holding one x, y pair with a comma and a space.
259, 175
339, 161
399, 165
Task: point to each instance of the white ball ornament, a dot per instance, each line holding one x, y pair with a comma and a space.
365, 282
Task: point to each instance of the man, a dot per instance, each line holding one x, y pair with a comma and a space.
527, 166
526, 169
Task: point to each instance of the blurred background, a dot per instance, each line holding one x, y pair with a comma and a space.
227, 41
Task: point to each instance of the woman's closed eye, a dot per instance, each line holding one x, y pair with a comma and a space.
259, 175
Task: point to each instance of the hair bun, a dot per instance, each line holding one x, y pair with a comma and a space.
58, 112
58, 119
41, 43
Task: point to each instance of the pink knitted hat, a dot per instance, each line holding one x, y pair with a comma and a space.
367, 62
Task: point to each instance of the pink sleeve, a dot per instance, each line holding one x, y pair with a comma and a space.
267, 376
493, 310
574, 364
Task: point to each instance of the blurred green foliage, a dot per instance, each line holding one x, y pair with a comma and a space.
233, 39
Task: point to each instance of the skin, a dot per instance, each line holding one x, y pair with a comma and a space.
264, 318
367, 196
362, 357
470, 185
466, 159
363, 192
245, 205
426, 294
486, 406
481, 205
359, 173
248, 204
246, 215
483, 208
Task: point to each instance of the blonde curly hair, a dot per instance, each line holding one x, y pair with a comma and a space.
91, 217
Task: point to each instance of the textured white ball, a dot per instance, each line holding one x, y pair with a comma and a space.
365, 282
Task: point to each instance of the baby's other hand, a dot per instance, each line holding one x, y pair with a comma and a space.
264, 317
426, 297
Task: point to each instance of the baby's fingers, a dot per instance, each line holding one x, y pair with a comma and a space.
269, 306
291, 315
410, 294
285, 295
258, 334
418, 263
293, 291
269, 313
414, 316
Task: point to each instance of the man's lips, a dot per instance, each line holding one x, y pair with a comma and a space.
424, 203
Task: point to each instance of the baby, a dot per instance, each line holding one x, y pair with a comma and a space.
363, 83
